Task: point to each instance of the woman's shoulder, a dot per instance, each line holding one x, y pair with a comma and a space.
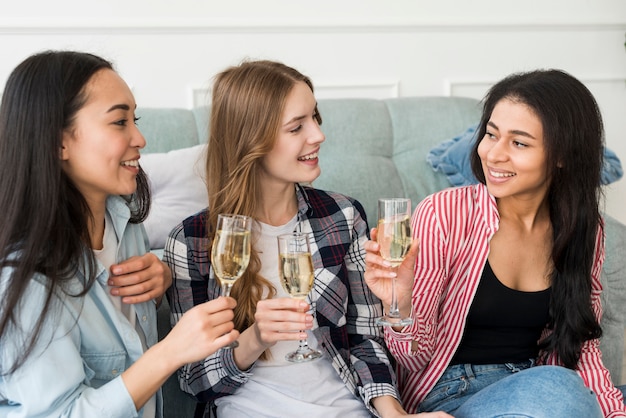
194, 225
460, 205
472, 193
191, 234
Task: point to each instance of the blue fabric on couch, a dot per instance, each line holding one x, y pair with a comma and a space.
451, 158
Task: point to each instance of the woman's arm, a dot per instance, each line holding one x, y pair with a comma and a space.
366, 341
186, 254
200, 332
79, 364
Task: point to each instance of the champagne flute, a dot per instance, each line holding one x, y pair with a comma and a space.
394, 238
230, 253
295, 267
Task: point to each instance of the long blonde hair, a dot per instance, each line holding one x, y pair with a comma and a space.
246, 109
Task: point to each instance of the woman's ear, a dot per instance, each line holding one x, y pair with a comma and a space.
64, 150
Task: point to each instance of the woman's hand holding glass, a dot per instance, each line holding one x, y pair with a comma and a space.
295, 268
281, 319
202, 331
230, 252
391, 277
394, 239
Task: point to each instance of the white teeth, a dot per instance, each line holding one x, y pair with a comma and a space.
501, 175
131, 163
308, 157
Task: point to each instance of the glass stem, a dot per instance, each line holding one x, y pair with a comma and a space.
394, 312
304, 345
226, 292
226, 289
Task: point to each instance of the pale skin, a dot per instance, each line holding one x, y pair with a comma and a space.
514, 162
293, 159
100, 153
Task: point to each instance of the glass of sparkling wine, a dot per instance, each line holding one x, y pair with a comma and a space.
394, 238
295, 268
230, 253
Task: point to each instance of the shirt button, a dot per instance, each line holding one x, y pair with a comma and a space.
114, 372
144, 318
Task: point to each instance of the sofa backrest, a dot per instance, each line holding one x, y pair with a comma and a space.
373, 148
378, 148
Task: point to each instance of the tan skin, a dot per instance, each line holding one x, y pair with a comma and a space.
513, 159
281, 319
515, 167
99, 154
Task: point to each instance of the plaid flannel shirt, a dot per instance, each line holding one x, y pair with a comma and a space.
344, 307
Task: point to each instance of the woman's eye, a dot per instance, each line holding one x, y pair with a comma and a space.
518, 144
136, 119
121, 122
296, 129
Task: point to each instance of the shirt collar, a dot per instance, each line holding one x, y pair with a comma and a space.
304, 204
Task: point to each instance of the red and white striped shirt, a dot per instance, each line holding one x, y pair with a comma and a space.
454, 228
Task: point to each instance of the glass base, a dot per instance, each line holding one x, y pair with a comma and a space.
302, 356
389, 321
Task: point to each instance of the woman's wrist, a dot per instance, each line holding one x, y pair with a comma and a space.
387, 406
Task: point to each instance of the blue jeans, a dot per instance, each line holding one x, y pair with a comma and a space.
512, 390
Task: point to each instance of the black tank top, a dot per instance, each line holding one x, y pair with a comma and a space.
503, 324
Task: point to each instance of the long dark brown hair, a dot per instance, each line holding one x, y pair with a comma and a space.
43, 228
574, 138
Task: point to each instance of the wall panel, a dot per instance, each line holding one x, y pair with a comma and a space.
350, 48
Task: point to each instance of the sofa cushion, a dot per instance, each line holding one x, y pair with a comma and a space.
178, 189
168, 129
451, 157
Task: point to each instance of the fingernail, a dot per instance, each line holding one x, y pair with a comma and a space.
116, 270
386, 263
304, 304
115, 292
392, 274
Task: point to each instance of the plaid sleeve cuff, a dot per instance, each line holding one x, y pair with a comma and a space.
374, 390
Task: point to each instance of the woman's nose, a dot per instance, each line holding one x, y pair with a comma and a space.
497, 151
317, 136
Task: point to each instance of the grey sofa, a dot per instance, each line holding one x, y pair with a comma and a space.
373, 149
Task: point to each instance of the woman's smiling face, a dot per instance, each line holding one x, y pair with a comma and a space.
294, 157
101, 149
512, 152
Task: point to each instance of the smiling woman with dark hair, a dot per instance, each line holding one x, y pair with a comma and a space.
78, 285
507, 273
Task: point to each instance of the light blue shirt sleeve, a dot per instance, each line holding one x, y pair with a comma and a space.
60, 378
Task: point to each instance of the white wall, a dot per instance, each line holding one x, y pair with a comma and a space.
168, 51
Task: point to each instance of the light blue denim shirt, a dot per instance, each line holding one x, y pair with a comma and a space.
85, 344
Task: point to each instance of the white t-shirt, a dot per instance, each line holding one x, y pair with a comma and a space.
278, 387
107, 256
